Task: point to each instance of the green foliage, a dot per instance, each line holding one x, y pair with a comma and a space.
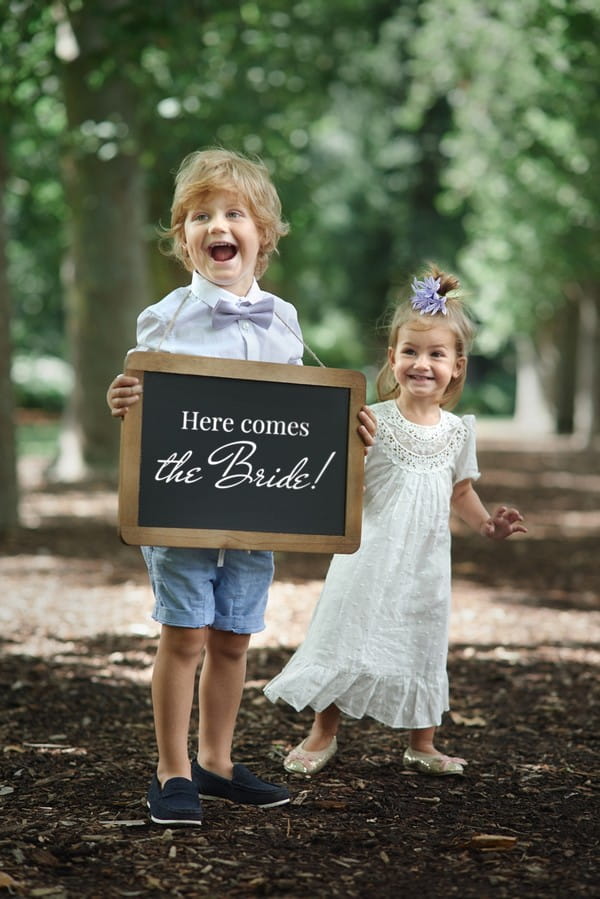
490, 386
34, 121
521, 78
395, 133
38, 438
41, 382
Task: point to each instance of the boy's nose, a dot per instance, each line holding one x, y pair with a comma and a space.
218, 223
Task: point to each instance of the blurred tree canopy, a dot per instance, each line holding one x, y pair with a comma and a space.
395, 133
523, 169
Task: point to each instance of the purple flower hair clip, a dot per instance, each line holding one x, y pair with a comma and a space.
425, 297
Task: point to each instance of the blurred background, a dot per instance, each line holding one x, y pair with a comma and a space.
465, 132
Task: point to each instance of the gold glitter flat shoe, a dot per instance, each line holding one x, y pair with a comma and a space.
435, 765
301, 761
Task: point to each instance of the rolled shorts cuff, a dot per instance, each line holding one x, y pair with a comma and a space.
192, 590
184, 619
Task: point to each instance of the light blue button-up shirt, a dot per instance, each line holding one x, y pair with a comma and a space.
182, 323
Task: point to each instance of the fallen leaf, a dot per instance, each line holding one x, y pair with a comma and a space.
48, 891
330, 803
476, 721
135, 822
44, 857
488, 841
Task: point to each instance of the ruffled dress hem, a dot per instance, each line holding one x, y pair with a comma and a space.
394, 700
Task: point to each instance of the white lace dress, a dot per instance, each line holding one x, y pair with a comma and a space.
378, 641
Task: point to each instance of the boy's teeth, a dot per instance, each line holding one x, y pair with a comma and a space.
221, 252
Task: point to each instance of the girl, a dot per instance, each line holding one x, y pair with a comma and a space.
377, 643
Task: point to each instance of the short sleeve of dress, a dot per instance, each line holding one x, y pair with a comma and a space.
466, 462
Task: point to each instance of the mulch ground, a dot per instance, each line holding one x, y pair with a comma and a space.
77, 744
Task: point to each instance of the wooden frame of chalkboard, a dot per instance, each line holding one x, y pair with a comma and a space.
225, 453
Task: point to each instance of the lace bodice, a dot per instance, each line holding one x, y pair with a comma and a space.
417, 447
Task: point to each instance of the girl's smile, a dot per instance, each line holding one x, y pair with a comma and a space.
424, 361
222, 241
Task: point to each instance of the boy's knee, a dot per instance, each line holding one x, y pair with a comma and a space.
227, 644
186, 642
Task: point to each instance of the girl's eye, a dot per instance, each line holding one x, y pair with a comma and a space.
235, 213
200, 217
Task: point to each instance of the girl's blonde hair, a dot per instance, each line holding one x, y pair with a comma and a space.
206, 171
457, 320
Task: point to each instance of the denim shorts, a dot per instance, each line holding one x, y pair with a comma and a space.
192, 590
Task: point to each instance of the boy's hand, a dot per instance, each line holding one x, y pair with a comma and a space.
123, 392
367, 428
503, 523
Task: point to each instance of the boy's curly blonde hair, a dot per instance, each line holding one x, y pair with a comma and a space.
216, 169
456, 318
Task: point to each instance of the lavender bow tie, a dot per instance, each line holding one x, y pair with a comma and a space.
226, 312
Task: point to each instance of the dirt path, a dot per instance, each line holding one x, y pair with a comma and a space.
77, 741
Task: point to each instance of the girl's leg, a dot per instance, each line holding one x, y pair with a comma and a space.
219, 695
324, 729
421, 740
314, 752
422, 756
173, 684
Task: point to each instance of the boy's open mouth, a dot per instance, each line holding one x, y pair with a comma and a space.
222, 252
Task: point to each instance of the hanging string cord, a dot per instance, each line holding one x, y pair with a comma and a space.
302, 341
171, 324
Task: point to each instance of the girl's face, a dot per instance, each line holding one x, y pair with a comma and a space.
424, 361
222, 241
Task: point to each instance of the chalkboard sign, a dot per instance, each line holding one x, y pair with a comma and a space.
225, 453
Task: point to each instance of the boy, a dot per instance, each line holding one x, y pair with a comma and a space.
225, 224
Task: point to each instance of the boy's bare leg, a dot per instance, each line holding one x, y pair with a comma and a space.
219, 696
173, 684
324, 729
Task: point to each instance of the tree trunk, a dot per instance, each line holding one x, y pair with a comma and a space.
566, 332
107, 280
594, 434
587, 399
532, 408
9, 505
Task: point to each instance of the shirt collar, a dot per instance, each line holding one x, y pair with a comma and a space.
211, 293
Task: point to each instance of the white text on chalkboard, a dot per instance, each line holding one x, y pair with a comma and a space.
237, 470
194, 421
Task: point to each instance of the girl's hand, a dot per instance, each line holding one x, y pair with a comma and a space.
367, 428
123, 392
503, 523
